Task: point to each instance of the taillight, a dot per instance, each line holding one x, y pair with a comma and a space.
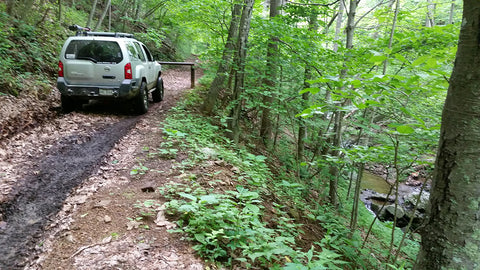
128, 71
60, 69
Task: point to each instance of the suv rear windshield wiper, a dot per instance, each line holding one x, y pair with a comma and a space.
87, 58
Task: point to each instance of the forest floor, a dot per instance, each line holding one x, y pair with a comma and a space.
68, 194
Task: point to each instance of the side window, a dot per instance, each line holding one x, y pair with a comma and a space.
140, 52
149, 55
131, 51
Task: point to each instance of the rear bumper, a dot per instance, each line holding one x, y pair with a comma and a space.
126, 90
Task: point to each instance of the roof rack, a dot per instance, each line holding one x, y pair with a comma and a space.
105, 34
85, 31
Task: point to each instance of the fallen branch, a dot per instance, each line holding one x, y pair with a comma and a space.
104, 241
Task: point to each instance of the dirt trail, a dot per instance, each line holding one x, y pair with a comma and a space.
67, 196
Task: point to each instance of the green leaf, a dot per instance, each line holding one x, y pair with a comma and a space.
209, 199
188, 196
200, 237
312, 90
419, 61
431, 63
295, 266
377, 59
310, 254
356, 83
187, 208
253, 208
401, 58
405, 129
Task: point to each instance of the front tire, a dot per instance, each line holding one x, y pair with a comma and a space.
157, 94
142, 99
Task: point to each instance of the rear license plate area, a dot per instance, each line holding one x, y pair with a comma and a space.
105, 92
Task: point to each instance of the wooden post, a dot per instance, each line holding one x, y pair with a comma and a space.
192, 75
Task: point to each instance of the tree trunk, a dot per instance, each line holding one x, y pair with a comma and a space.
338, 26
356, 199
451, 239
92, 12
351, 23
241, 55
302, 128
270, 80
452, 12
338, 114
392, 33
59, 17
105, 10
225, 64
26, 9
11, 7
430, 20
137, 10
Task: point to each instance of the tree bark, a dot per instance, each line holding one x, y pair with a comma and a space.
430, 19
452, 12
137, 10
225, 64
100, 21
392, 33
338, 114
59, 17
338, 25
302, 128
241, 55
92, 12
270, 80
11, 7
451, 238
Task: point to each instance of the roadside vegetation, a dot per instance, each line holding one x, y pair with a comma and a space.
297, 102
265, 218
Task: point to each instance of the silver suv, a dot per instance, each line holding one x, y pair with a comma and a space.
105, 65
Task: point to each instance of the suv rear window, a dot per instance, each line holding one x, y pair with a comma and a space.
96, 51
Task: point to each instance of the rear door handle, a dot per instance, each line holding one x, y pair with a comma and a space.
108, 77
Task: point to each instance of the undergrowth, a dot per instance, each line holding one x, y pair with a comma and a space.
250, 224
28, 56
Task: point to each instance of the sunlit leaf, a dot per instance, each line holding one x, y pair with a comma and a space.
405, 129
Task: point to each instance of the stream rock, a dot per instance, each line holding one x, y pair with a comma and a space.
375, 185
412, 198
383, 206
399, 212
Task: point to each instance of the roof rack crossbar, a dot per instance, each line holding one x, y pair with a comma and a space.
105, 34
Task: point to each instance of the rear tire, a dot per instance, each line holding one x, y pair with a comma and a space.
142, 99
157, 94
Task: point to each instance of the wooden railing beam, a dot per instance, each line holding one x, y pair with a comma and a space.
192, 69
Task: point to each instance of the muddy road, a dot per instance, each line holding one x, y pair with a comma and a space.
41, 166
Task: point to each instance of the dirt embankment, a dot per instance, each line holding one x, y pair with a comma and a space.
67, 194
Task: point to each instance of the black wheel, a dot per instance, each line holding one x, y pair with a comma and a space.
157, 94
142, 99
68, 104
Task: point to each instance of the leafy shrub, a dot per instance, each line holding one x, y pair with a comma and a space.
227, 226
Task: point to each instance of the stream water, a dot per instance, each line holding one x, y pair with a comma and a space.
374, 182
374, 191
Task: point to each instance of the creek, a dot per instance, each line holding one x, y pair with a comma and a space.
374, 195
374, 182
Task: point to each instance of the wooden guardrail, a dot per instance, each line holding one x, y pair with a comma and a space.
192, 69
